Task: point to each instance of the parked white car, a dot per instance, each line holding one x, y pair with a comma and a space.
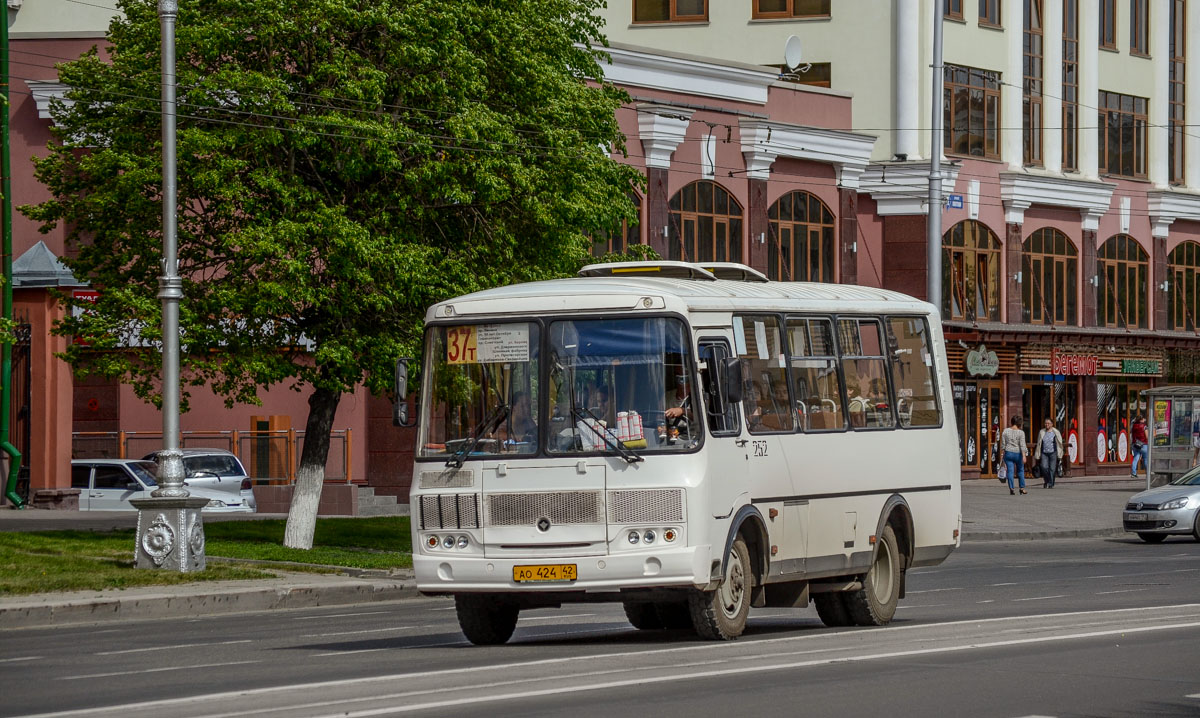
216, 470
109, 484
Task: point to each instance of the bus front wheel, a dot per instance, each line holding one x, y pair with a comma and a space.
875, 603
485, 620
720, 615
642, 615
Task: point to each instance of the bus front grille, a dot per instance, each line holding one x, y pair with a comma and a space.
447, 479
450, 511
649, 506
561, 508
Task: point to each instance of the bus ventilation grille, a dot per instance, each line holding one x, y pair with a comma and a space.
561, 508
450, 511
448, 479
654, 506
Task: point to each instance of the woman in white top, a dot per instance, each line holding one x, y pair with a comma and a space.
1012, 443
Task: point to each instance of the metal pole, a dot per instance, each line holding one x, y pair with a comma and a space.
170, 286
6, 393
933, 282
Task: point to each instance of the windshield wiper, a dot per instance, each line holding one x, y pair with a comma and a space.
626, 453
489, 424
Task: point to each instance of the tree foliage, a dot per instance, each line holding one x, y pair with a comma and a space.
341, 167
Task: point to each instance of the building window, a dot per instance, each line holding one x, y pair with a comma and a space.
791, 8
1122, 127
817, 74
1049, 267
670, 10
1183, 287
1123, 277
1139, 27
1070, 85
971, 272
1031, 110
1177, 76
706, 224
953, 9
800, 247
989, 12
971, 108
1108, 24
1118, 402
618, 240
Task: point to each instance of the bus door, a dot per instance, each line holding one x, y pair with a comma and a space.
726, 450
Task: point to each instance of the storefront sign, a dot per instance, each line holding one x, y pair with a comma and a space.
1072, 364
1141, 366
1162, 422
981, 362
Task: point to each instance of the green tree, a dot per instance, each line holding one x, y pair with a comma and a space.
341, 167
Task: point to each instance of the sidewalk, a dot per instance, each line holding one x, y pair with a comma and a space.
1077, 507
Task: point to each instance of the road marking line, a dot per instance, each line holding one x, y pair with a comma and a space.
1087, 577
990, 600
352, 633
363, 680
923, 605
336, 615
935, 590
1041, 598
551, 618
1124, 590
1194, 695
154, 670
21, 658
727, 671
168, 648
1004, 584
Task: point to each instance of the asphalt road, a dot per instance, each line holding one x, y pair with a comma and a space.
1095, 627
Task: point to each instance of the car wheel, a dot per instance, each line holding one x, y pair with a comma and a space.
1196, 526
642, 615
721, 614
1152, 538
485, 619
875, 603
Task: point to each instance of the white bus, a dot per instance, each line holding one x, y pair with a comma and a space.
689, 440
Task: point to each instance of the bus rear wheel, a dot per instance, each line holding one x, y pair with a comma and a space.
720, 615
875, 603
486, 619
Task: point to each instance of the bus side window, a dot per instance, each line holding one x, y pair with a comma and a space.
722, 416
865, 368
766, 401
815, 376
912, 372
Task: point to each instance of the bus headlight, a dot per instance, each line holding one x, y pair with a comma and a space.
649, 536
448, 542
463, 541
633, 537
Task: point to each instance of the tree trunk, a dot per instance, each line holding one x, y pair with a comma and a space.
310, 476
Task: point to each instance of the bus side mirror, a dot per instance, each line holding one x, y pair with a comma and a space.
400, 415
733, 379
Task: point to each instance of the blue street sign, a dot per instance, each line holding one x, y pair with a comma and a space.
954, 201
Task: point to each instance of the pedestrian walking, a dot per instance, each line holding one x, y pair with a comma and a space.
1141, 446
1047, 452
1012, 442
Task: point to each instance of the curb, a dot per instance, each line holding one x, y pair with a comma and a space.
984, 536
40, 613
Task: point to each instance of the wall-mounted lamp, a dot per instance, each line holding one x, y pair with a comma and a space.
1164, 285
664, 230
1095, 280
1017, 277
762, 237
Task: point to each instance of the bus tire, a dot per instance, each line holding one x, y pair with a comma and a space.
642, 615
875, 603
674, 615
720, 615
486, 620
832, 610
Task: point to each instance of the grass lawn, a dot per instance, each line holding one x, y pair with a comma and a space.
39, 562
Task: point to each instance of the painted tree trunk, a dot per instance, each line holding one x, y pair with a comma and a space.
310, 476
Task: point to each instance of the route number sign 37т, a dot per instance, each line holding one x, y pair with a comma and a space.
487, 344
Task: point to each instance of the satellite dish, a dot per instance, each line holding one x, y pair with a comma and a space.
793, 55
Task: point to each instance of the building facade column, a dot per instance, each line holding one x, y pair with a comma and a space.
1012, 268
1089, 87
1052, 84
1158, 297
661, 129
1191, 110
1012, 17
658, 213
758, 223
906, 80
1087, 270
848, 235
1159, 118
1088, 426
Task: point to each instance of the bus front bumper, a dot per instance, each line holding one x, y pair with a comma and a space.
676, 567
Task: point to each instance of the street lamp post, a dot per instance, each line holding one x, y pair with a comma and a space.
933, 281
170, 530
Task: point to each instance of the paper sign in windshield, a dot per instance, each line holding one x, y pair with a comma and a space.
487, 344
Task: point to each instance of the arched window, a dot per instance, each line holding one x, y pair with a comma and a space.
800, 242
1123, 276
619, 239
971, 272
706, 224
1183, 283
1049, 271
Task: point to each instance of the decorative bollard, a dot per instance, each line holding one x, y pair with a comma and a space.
170, 533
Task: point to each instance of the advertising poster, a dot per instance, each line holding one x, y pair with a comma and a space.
1162, 422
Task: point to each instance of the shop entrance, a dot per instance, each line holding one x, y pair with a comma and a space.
1058, 401
977, 409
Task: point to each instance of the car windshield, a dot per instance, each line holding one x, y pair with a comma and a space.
219, 465
145, 471
482, 391
1191, 478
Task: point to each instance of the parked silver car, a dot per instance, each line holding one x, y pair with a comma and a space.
1173, 509
109, 484
216, 470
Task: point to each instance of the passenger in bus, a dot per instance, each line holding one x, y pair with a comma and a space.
678, 401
